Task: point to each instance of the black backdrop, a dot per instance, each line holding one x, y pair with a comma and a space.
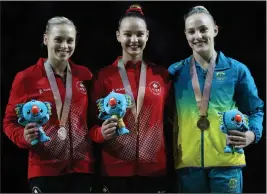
242, 35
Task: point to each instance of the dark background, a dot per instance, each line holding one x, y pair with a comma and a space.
242, 35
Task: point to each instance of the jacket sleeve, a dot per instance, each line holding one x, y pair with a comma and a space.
248, 101
11, 128
94, 123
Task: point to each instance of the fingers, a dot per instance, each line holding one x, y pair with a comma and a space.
31, 132
236, 139
109, 128
110, 120
237, 133
32, 136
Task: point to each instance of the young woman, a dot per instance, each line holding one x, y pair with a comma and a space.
206, 83
65, 163
135, 162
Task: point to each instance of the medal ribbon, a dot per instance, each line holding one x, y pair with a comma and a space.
61, 113
128, 90
202, 100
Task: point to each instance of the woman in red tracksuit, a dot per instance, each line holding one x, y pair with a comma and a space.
135, 162
65, 163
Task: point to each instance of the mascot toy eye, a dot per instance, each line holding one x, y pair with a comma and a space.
114, 106
233, 120
34, 112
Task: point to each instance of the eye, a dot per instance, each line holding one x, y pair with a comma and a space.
203, 30
28, 112
41, 110
107, 105
70, 41
58, 40
119, 102
232, 118
190, 31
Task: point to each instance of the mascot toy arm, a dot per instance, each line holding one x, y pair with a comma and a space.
233, 120
114, 106
34, 112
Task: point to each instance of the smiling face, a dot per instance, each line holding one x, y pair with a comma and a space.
60, 42
132, 35
200, 31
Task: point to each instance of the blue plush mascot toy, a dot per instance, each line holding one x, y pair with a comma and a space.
233, 120
34, 112
114, 106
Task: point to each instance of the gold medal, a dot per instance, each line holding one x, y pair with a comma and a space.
203, 123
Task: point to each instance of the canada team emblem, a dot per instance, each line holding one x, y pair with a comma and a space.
155, 87
81, 87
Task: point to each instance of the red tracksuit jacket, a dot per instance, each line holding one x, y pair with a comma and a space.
56, 156
142, 152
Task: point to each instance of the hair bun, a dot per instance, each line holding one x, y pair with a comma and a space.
135, 8
200, 8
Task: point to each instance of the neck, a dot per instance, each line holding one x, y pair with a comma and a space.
126, 57
58, 66
204, 59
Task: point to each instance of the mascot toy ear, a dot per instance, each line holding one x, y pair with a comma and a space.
18, 109
129, 101
100, 105
49, 107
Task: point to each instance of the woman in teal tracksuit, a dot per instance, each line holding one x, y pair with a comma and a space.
202, 165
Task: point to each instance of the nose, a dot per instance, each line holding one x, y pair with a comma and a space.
134, 38
35, 109
238, 118
64, 44
198, 35
112, 102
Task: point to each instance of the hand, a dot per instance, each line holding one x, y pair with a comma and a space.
109, 127
30, 132
240, 139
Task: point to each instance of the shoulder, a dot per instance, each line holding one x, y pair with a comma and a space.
178, 66
30, 73
237, 65
81, 71
107, 71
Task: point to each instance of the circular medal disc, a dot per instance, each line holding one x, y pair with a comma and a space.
203, 123
62, 133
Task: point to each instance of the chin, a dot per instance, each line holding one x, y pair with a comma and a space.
201, 50
134, 53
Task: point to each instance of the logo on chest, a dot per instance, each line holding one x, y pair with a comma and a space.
41, 91
80, 87
155, 87
220, 76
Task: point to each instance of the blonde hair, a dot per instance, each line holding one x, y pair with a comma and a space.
199, 9
58, 20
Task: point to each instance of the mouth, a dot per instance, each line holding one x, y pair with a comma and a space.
133, 46
63, 52
200, 43
35, 115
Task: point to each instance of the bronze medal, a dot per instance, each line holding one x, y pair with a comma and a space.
203, 123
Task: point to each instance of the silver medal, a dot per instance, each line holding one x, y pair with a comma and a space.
62, 133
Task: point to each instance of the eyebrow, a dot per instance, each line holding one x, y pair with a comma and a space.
198, 27
62, 37
131, 31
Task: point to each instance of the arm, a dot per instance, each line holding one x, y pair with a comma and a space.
94, 124
13, 130
248, 101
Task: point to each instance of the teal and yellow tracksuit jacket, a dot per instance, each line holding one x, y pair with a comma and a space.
232, 87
